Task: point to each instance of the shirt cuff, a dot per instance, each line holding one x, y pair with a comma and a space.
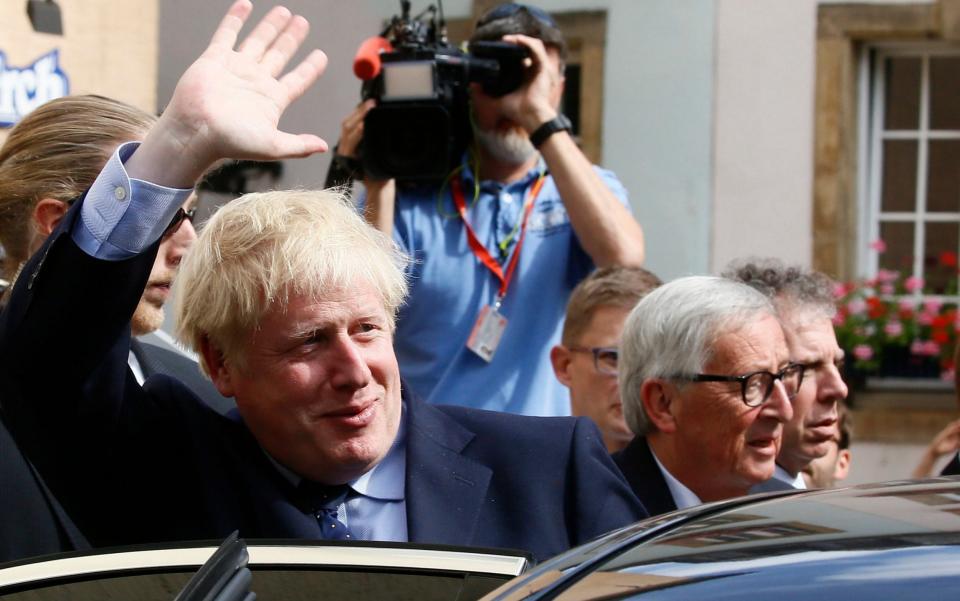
121, 217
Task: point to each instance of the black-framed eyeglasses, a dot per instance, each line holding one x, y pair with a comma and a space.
756, 387
605, 358
178, 218
511, 8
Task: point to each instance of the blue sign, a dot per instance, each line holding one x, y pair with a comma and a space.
22, 90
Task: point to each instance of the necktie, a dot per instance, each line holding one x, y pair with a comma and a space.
324, 500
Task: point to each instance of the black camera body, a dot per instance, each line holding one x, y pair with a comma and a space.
420, 126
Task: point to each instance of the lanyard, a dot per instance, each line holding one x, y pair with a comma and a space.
479, 250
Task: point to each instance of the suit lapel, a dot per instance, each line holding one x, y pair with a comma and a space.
645, 478
445, 490
147, 365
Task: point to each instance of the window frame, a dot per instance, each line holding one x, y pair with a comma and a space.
873, 134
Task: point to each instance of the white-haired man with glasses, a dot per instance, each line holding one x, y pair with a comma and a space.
706, 382
586, 359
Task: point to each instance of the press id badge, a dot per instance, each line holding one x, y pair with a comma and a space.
486, 333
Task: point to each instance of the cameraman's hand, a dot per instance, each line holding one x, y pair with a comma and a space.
536, 101
228, 103
351, 129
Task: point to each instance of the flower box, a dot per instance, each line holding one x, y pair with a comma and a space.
889, 329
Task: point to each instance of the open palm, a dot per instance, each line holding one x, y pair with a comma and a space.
229, 101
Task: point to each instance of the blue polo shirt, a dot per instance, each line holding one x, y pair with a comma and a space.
449, 286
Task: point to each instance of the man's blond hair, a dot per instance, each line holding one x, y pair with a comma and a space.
56, 152
615, 286
264, 248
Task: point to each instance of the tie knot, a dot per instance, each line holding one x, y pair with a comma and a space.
319, 496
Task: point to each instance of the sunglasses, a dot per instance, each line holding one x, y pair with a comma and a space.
179, 217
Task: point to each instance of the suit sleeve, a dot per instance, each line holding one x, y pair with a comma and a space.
603, 500
64, 338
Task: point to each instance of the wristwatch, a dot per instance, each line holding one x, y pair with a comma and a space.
558, 123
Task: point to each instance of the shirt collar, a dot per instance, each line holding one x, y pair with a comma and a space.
795, 481
385, 481
683, 497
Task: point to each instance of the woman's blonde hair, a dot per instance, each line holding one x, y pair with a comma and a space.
263, 248
56, 152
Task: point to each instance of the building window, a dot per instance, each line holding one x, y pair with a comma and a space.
911, 172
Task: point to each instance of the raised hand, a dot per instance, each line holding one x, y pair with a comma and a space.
229, 102
536, 101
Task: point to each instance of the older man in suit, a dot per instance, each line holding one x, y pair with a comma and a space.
706, 383
290, 300
805, 303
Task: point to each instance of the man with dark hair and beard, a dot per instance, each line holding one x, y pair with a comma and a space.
500, 244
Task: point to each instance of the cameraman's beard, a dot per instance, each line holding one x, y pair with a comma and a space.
510, 146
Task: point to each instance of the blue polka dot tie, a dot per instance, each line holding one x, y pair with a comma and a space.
324, 502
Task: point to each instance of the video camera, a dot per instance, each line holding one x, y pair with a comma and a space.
421, 124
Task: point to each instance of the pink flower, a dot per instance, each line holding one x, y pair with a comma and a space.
863, 352
906, 305
879, 245
913, 284
893, 328
948, 375
839, 290
887, 276
925, 319
838, 319
886, 289
925, 348
932, 306
857, 306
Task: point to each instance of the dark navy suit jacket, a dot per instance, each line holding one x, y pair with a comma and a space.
134, 464
640, 468
32, 521
155, 359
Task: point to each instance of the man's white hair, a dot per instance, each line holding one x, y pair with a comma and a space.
672, 332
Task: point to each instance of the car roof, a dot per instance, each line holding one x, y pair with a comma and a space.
796, 538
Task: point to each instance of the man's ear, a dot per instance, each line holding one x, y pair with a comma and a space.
560, 357
656, 396
47, 214
843, 465
216, 366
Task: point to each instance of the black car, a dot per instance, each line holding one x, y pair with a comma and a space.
889, 541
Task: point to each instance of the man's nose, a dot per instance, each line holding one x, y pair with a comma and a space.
830, 385
178, 243
348, 365
778, 405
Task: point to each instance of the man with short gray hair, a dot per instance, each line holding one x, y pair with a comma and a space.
804, 300
706, 383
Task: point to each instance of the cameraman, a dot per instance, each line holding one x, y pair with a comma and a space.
470, 335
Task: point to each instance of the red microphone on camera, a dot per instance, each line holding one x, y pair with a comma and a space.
366, 63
